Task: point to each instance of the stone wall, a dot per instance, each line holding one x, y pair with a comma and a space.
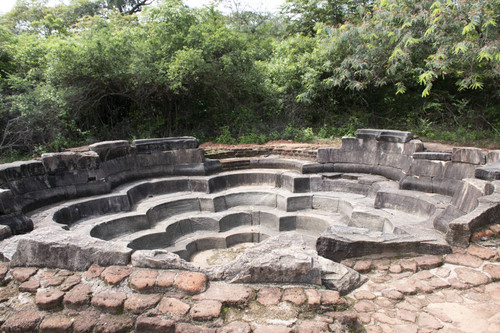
27, 185
468, 175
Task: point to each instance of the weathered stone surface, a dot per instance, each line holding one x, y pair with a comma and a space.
408, 265
188, 328
139, 303
174, 306
340, 242
313, 297
165, 279
191, 282
206, 310
114, 324
53, 281
147, 146
392, 294
480, 252
428, 262
70, 161
42, 248
269, 295
22, 274
235, 327
56, 324
364, 294
116, 274
108, 150
310, 326
16, 223
432, 156
294, 295
364, 306
463, 260
428, 321
227, 294
330, 297
94, 271
143, 279
30, 286
70, 282
109, 301
78, 296
24, 321
85, 321
488, 172
471, 276
493, 270
468, 155
363, 266
48, 298
285, 258
160, 259
272, 329
145, 324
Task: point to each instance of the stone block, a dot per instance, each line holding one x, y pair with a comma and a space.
395, 136
17, 223
350, 143
413, 146
446, 186
387, 147
466, 199
493, 156
29, 184
407, 203
388, 172
56, 163
325, 203
355, 156
396, 161
429, 168
459, 171
370, 221
411, 183
488, 172
109, 150
148, 146
323, 155
429, 155
468, 155
8, 203
367, 134
341, 242
20, 169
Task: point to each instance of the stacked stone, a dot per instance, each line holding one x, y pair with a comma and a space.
27, 185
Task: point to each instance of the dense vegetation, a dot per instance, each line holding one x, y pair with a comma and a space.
111, 69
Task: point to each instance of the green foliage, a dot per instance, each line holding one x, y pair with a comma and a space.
108, 69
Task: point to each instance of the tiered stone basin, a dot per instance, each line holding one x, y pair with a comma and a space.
380, 194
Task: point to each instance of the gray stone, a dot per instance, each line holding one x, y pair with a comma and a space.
488, 171
338, 277
432, 156
17, 223
160, 259
109, 150
493, 156
285, 258
468, 155
147, 146
54, 247
340, 242
69, 161
472, 189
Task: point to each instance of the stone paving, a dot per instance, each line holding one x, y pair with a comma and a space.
458, 292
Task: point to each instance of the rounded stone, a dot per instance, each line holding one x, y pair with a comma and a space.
116, 274
191, 282
480, 252
493, 270
78, 296
23, 321
56, 324
463, 260
428, 262
116, 324
94, 271
165, 279
174, 306
310, 326
235, 327
48, 299
269, 295
138, 303
294, 295
330, 297
109, 301
70, 282
313, 297
22, 274
143, 279
472, 277
365, 306
30, 286
363, 294
206, 310
363, 266
146, 324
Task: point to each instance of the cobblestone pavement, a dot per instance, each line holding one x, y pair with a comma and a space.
459, 292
